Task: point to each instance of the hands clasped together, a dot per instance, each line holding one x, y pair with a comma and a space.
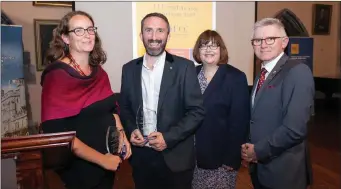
154, 140
248, 154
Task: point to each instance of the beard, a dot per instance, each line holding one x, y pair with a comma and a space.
155, 51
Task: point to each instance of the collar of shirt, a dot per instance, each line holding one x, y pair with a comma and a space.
269, 65
160, 59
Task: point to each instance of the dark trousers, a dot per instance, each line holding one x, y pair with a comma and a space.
151, 172
106, 182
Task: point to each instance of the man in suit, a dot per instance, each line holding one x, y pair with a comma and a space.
164, 89
281, 101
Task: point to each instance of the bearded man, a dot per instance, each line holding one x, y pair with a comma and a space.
161, 107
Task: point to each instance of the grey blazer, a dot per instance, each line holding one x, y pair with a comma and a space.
278, 125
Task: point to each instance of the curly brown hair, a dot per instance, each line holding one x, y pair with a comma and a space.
58, 49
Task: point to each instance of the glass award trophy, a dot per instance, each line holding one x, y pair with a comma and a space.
146, 121
113, 141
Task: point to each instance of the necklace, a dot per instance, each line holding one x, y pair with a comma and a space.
75, 65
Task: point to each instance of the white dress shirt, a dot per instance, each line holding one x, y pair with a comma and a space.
151, 82
269, 66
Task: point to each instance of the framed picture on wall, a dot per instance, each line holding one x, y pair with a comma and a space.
53, 3
43, 32
322, 15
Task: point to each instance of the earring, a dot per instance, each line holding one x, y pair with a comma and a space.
66, 47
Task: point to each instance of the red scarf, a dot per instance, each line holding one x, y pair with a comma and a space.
65, 93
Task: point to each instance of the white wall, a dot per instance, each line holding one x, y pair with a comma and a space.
235, 23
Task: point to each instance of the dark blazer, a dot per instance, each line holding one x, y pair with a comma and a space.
278, 126
180, 108
225, 127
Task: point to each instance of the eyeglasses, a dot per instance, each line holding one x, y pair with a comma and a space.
81, 31
212, 47
268, 41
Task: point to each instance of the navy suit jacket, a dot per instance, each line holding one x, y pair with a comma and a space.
225, 126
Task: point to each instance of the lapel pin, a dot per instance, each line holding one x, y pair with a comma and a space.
170, 67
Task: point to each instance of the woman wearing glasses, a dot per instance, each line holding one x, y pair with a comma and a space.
76, 96
224, 129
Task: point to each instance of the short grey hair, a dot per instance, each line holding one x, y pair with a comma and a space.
270, 22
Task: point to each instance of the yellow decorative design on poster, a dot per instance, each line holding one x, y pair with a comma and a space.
295, 48
187, 20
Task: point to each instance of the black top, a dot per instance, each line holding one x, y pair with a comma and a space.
90, 126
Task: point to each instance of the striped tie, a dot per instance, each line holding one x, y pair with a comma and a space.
261, 79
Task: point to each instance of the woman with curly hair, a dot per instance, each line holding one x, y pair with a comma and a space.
76, 96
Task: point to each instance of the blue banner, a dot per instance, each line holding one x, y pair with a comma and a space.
301, 49
13, 99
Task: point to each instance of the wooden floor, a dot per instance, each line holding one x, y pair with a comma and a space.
325, 149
